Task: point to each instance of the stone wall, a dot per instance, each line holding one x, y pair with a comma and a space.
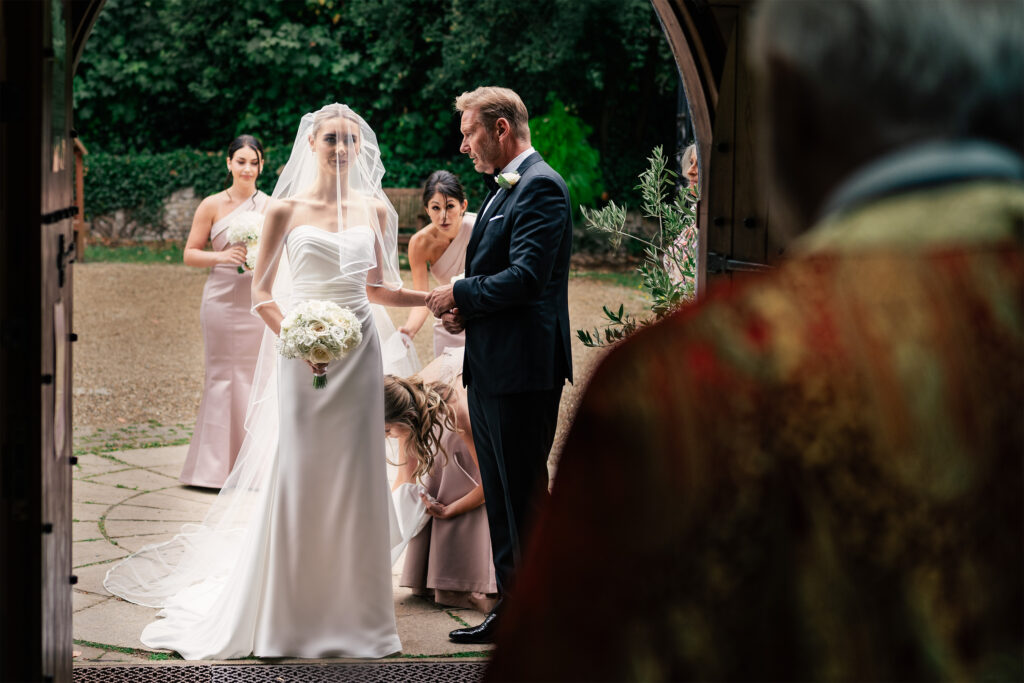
175, 224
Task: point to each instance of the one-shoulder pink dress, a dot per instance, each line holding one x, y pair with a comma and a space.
451, 263
231, 337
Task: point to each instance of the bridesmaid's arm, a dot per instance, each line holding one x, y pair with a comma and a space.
271, 245
418, 266
195, 252
475, 498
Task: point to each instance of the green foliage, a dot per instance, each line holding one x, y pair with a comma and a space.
413, 172
141, 182
629, 280
163, 75
562, 139
669, 268
171, 252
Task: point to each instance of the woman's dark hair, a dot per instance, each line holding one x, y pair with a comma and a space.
244, 141
445, 182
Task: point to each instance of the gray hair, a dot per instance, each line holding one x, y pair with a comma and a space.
914, 68
685, 158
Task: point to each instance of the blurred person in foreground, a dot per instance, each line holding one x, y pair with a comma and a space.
818, 475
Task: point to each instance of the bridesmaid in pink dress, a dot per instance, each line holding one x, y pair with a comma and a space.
231, 334
449, 561
441, 248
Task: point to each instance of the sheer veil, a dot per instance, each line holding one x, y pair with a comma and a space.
201, 556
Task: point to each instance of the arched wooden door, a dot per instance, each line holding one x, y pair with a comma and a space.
708, 39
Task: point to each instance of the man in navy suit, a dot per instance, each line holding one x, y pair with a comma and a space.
513, 305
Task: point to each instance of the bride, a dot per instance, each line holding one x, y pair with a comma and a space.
294, 557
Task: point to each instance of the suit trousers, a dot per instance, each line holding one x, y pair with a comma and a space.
513, 434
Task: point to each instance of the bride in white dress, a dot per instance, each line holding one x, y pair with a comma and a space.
294, 558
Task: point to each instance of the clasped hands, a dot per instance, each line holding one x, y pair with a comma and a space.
441, 302
435, 508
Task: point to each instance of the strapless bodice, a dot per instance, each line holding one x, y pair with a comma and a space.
315, 257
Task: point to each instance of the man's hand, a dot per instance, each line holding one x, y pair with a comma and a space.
441, 300
452, 321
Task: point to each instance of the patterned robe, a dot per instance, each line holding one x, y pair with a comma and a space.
816, 475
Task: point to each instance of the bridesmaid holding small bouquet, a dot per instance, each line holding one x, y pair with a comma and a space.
231, 334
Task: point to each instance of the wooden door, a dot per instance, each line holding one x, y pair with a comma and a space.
57, 252
36, 248
708, 40
737, 200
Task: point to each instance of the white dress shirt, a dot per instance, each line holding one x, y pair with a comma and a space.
509, 167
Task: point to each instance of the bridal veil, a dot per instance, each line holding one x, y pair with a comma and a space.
201, 556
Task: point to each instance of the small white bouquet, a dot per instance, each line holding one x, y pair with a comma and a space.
246, 230
319, 332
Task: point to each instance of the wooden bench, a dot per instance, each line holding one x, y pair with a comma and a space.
411, 216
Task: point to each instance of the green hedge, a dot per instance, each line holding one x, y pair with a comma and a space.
140, 183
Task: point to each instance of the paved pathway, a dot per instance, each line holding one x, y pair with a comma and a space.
124, 500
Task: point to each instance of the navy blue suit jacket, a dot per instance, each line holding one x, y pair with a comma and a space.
514, 298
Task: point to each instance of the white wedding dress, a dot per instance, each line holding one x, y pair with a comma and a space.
312, 576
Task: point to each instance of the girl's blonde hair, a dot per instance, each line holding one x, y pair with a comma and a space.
422, 407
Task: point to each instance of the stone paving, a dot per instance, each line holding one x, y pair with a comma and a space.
124, 500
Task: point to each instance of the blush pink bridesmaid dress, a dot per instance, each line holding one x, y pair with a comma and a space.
449, 264
231, 337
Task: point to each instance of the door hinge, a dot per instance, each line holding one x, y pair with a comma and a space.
65, 257
59, 215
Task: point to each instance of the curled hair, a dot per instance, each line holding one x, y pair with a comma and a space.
422, 407
445, 182
245, 141
493, 103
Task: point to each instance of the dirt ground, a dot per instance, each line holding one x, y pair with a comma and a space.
138, 364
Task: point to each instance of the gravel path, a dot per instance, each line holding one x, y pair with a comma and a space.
138, 365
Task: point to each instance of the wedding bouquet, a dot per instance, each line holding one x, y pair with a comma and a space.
246, 230
319, 332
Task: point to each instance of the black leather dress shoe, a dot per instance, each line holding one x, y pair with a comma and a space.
484, 633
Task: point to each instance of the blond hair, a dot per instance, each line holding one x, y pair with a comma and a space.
424, 408
330, 112
492, 103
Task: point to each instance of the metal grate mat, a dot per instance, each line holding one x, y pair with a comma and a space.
382, 672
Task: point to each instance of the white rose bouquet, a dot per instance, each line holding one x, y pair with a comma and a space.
246, 230
319, 332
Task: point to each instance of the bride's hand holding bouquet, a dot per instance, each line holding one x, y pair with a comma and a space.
318, 332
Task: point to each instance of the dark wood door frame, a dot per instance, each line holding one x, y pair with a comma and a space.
708, 41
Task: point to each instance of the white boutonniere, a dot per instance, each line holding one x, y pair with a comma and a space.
507, 181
